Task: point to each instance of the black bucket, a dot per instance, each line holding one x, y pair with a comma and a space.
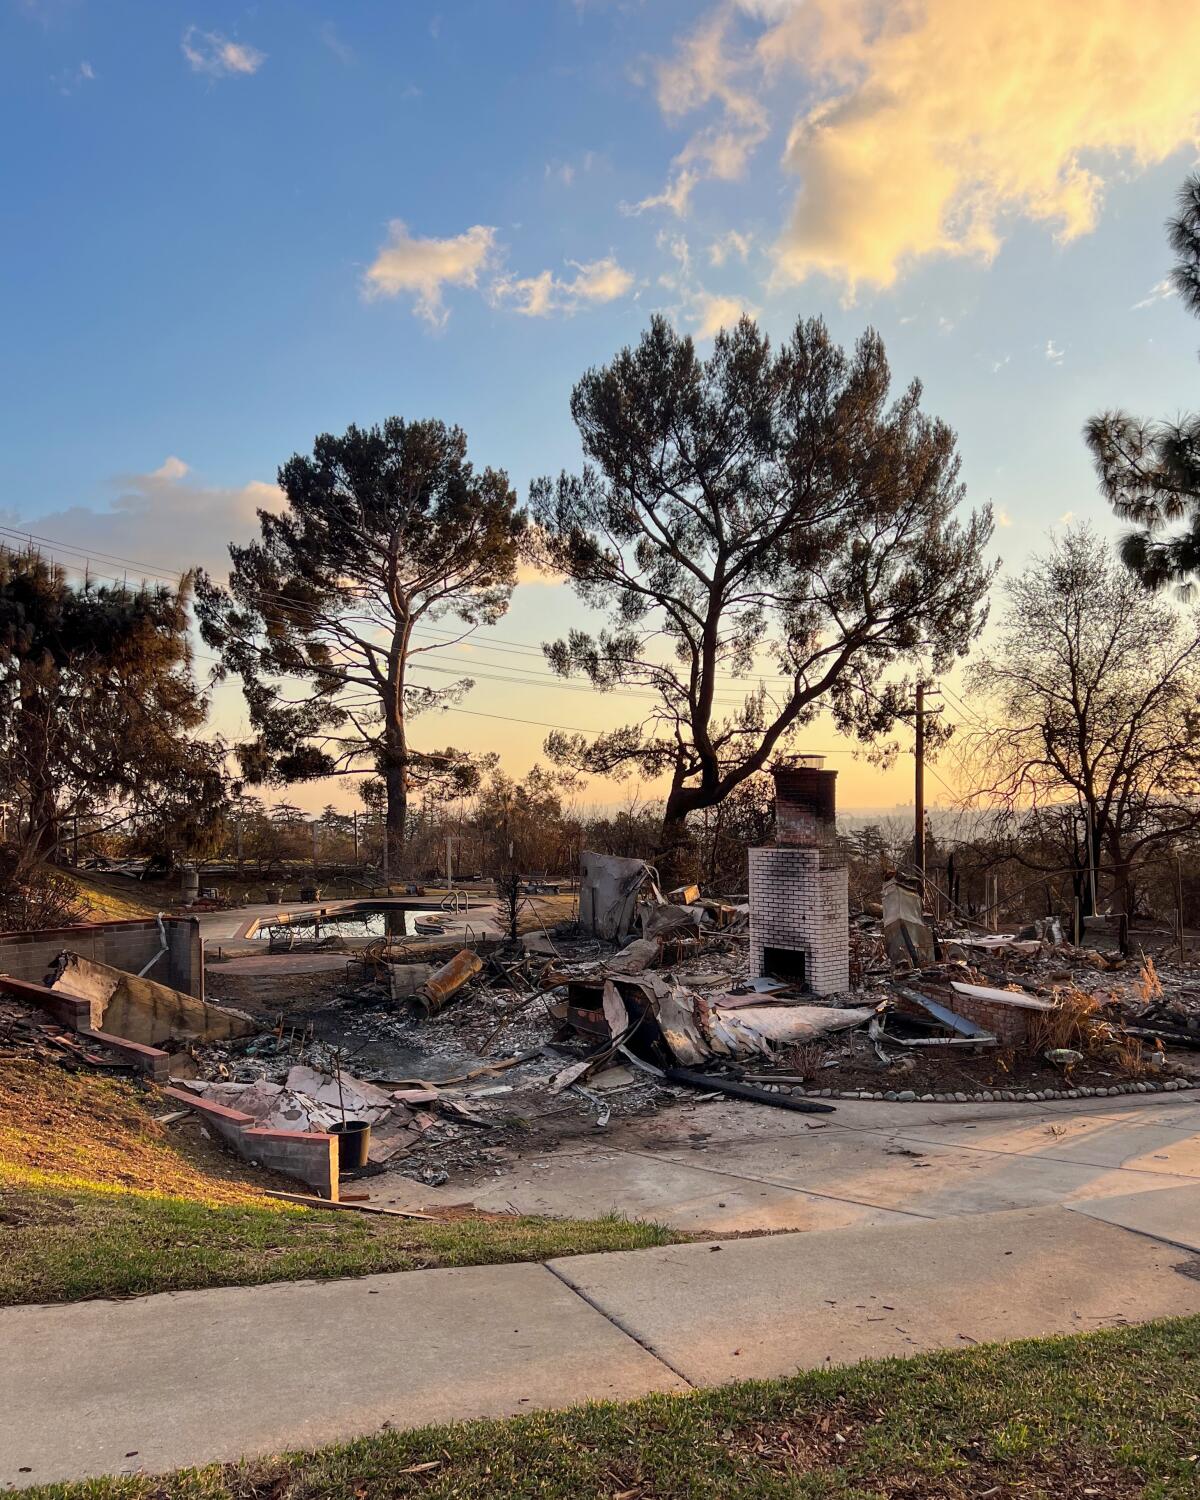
354, 1140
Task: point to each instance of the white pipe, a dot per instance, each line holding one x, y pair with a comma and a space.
162, 932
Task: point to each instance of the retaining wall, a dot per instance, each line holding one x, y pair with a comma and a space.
309, 1155
75, 1015
122, 945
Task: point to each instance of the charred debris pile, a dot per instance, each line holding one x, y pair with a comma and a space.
503, 1047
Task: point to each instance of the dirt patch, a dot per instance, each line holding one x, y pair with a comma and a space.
1061, 1475
850, 1064
824, 1440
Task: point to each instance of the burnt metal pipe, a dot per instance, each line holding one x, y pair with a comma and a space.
445, 983
747, 1091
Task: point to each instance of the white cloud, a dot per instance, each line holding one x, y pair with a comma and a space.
729, 244
999, 364
170, 468
695, 306
423, 267
71, 78
1053, 353
594, 282
1067, 517
677, 196
210, 52
1159, 292
711, 312
330, 38
565, 172
706, 71
1003, 518
924, 127
158, 520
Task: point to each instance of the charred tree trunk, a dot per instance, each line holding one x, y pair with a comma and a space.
676, 855
395, 782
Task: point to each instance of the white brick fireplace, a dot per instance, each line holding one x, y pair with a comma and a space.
799, 907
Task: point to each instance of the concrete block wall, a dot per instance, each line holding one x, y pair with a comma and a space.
123, 945
309, 1155
797, 904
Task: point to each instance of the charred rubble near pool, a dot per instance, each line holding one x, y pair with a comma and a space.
781, 997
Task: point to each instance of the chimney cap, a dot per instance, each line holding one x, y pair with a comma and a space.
799, 762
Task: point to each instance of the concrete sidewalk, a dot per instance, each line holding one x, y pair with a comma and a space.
188, 1378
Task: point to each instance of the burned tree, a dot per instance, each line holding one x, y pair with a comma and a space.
1090, 696
760, 512
387, 530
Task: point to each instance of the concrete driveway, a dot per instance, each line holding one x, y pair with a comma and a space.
727, 1166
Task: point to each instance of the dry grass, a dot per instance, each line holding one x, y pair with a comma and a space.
1149, 984
75, 1128
115, 898
99, 1200
1077, 1023
805, 1059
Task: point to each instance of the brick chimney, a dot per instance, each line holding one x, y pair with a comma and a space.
805, 803
799, 911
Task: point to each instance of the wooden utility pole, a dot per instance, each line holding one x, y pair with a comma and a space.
919, 753
1091, 844
354, 815
1179, 903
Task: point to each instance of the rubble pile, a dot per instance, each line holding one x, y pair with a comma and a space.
653, 998
29, 1033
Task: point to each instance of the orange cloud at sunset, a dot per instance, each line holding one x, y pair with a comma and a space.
926, 126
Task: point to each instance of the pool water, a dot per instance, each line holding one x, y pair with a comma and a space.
378, 921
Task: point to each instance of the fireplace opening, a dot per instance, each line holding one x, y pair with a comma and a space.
784, 963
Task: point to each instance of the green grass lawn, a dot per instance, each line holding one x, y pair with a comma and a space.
60, 1241
98, 1199
1111, 1415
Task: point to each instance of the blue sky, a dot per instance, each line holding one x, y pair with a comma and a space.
202, 269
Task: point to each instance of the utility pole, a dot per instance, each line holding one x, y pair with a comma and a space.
919, 788
354, 816
1091, 845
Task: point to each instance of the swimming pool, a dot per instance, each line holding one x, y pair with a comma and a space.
360, 921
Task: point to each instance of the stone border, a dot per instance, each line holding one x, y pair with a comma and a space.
997, 1096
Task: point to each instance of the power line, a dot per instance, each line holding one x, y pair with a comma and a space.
963, 708
163, 574
148, 570
529, 679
